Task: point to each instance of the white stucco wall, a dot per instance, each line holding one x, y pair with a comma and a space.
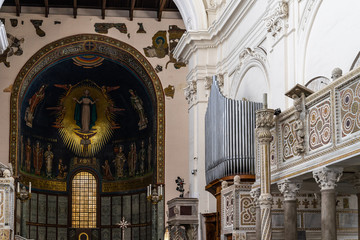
334, 39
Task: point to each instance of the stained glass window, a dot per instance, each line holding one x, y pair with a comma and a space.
84, 187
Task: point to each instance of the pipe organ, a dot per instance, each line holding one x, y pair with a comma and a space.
229, 136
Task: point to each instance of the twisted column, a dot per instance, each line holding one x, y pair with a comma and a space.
327, 179
290, 189
264, 122
255, 194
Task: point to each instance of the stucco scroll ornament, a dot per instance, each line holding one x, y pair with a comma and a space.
275, 21
190, 91
327, 177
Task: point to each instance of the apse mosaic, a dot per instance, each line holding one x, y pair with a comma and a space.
87, 110
350, 109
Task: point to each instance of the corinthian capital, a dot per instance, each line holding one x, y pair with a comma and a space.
264, 122
327, 177
289, 189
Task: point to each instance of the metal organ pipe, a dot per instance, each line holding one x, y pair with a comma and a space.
229, 136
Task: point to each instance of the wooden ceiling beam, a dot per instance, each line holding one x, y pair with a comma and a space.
18, 7
75, 8
46, 2
161, 8
103, 7
132, 7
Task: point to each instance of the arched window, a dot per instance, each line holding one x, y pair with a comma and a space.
84, 194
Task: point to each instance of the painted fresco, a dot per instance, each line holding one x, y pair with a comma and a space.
87, 111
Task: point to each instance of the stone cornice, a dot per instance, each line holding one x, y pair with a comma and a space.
217, 33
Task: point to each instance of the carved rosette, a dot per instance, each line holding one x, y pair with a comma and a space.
190, 91
289, 189
264, 122
327, 177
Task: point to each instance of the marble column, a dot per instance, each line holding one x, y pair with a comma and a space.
327, 179
356, 183
255, 194
290, 189
264, 122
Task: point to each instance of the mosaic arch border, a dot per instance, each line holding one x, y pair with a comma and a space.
108, 47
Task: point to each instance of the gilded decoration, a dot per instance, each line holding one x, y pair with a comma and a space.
86, 51
320, 125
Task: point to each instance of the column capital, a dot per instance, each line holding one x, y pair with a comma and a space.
264, 122
266, 200
327, 177
289, 189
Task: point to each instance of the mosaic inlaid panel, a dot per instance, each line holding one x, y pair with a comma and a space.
277, 220
33, 212
312, 220
51, 209
42, 209
143, 201
273, 154
105, 211
143, 233
62, 233
116, 233
320, 125
229, 210
116, 210
42, 233
348, 220
350, 109
2, 206
135, 209
127, 207
247, 210
135, 233
4, 234
289, 139
62, 210
33, 232
51, 233
105, 234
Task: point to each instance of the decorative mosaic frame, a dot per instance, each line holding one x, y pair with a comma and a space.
97, 44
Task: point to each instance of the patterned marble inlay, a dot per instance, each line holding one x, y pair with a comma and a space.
4, 234
2, 206
247, 210
289, 139
320, 125
350, 109
229, 210
273, 155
